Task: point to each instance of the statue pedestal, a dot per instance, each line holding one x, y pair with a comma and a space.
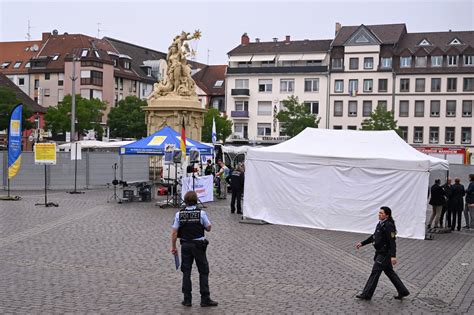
169, 111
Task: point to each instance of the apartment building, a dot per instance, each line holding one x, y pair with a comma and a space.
260, 75
210, 87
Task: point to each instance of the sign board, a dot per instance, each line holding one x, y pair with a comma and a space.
45, 153
169, 149
441, 150
203, 186
76, 151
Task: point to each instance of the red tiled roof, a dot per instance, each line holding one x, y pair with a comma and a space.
293, 46
17, 51
20, 95
386, 33
439, 40
207, 77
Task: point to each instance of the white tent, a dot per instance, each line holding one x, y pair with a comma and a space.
338, 180
94, 144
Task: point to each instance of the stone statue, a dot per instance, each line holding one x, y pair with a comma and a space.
178, 80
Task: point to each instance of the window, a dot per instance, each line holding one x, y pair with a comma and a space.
467, 108
418, 135
353, 63
84, 52
353, 85
264, 129
434, 135
126, 65
96, 53
466, 135
368, 63
435, 107
449, 136
338, 108
60, 95
366, 108
469, 60
436, 61
337, 127
452, 85
436, 85
217, 84
244, 64
91, 77
404, 85
60, 79
28, 64
450, 108
351, 127
5, 64
37, 83
312, 106
115, 62
21, 81
55, 57
339, 86
268, 63
368, 85
352, 108
311, 85
46, 92
241, 130
241, 106
420, 62
452, 61
47, 76
404, 132
382, 105
148, 73
17, 65
337, 63
288, 63
405, 62
241, 83
404, 109
420, 85
264, 108
419, 108
265, 85
287, 85
468, 84
386, 63
383, 85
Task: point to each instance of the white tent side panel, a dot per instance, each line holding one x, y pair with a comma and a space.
334, 197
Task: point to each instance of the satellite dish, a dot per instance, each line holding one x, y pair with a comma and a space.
34, 47
55, 32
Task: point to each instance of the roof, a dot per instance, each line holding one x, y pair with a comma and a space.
293, 46
20, 95
17, 51
386, 33
439, 40
207, 77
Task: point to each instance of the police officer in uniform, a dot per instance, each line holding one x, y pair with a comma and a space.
189, 226
237, 179
385, 256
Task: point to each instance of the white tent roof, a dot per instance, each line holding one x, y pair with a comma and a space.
375, 149
94, 144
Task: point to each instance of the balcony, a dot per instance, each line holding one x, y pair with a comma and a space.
239, 114
240, 92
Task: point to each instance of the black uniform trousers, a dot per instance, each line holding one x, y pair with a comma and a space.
236, 196
383, 263
456, 218
190, 251
447, 211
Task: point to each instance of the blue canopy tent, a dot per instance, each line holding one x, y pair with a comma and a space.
155, 144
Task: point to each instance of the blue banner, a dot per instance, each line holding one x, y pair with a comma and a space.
14, 141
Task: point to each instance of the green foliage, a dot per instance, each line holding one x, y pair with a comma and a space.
223, 126
88, 116
295, 117
127, 120
381, 119
8, 100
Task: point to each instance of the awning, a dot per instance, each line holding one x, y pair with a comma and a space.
240, 58
313, 57
263, 57
290, 57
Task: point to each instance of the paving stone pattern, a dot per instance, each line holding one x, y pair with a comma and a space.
90, 256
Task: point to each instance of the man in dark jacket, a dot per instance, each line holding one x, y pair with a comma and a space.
448, 206
469, 210
437, 200
457, 194
237, 179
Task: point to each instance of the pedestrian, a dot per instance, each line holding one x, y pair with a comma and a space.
469, 208
237, 179
447, 207
189, 226
457, 199
222, 174
437, 201
209, 170
385, 256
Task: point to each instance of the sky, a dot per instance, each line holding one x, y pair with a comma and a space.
153, 24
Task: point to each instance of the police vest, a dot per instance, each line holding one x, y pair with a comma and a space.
190, 226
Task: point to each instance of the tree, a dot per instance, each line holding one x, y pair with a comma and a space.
127, 120
295, 117
8, 100
88, 115
381, 119
223, 126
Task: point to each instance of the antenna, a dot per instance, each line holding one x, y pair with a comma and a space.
99, 29
28, 34
208, 55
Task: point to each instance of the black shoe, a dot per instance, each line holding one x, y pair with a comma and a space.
233, 212
186, 303
363, 297
401, 296
209, 303
239, 212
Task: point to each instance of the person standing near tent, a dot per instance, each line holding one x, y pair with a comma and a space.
469, 209
237, 179
209, 170
222, 174
457, 196
448, 206
437, 201
385, 256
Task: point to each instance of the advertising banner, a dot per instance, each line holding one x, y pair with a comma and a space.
14, 141
203, 186
45, 154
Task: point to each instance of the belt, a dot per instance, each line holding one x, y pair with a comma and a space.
192, 241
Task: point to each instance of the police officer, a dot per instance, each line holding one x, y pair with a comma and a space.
189, 225
385, 256
237, 179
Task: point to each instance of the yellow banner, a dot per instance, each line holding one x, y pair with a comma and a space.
45, 153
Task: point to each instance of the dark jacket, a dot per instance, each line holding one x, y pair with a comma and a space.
237, 179
437, 195
448, 191
470, 193
457, 197
383, 239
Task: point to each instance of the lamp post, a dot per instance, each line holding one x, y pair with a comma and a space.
73, 124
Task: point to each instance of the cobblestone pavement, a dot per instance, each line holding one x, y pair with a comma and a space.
90, 256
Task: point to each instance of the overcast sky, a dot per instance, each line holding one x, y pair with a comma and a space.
154, 23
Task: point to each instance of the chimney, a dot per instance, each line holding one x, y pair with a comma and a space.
287, 38
275, 39
338, 27
45, 37
244, 40
257, 40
